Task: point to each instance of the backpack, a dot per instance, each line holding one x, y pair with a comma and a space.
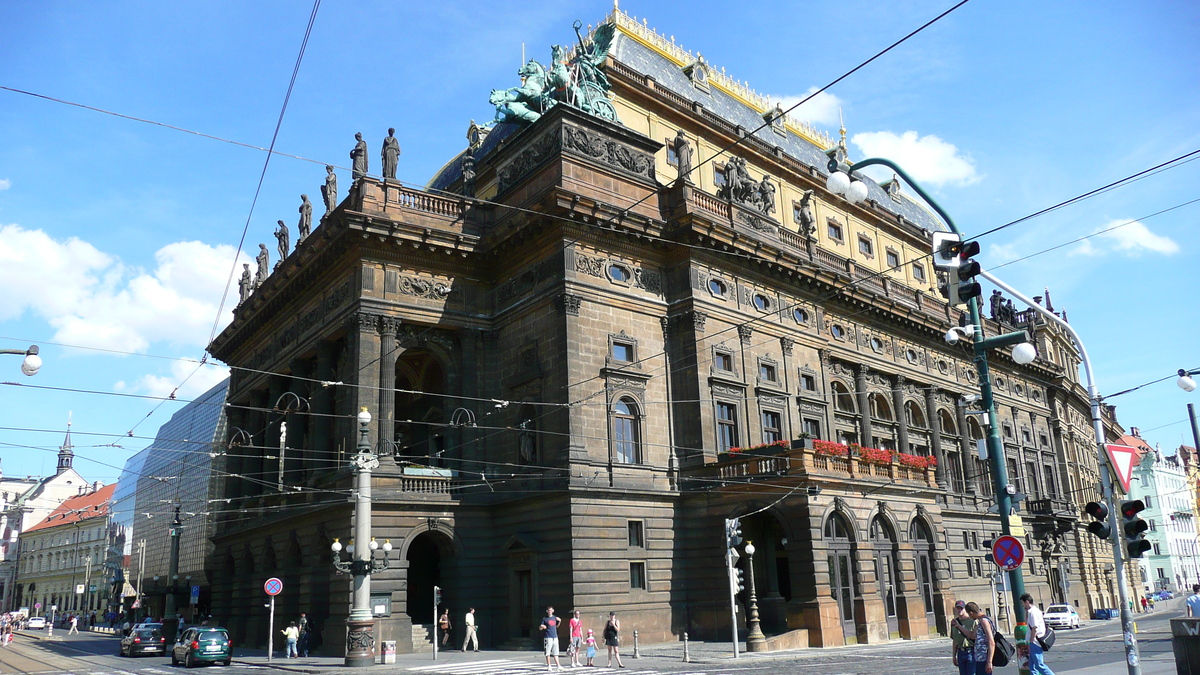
1004, 650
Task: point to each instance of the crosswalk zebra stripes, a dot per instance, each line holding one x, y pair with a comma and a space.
514, 667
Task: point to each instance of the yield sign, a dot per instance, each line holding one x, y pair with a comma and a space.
1123, 458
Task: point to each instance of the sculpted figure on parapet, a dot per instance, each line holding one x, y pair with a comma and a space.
683, 155
390, 154
264, 262
359, 158
304, 227
329, 190
244, 284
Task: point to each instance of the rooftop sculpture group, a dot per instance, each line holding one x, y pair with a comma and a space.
741, 188
578, 82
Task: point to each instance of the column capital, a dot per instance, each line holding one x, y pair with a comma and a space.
362, 321
389, 325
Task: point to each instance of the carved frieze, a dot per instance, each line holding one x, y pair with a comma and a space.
534, 155
423, 288
525, 282
617, 155
689, 320
720, 389
619, 382
757, 223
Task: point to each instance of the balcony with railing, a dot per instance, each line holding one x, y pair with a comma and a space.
824, 460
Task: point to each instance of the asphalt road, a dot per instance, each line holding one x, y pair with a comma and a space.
1092, 650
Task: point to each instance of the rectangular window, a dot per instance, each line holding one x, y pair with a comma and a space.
1156, 550
1153, 525
637, 534
893, 259
918, 272
865, 246
637, 575
812, 428
719, 175
796, 213
772, 426
725, 362
808, 382
835, 231
727, 432
1147, 500
966, 539
766, 371
1043, 441
622, 351
672, 157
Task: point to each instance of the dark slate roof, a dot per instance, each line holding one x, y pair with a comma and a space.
452, 171
670, 76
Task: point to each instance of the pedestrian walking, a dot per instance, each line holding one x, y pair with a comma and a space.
985, 641
590, 642
305, 634
1193, 602
549, 630
292, 634
612, 639
1145, 604
962, 640
576, 638
74, 625
1037, 630
469, 626
444, 626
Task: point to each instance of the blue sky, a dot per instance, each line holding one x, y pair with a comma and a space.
120, 235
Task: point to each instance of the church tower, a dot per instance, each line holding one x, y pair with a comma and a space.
65, 455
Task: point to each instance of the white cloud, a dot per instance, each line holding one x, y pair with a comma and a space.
5, 184
1135, 238
199, 380
822, 109
1001, 253
93, 299
928, 159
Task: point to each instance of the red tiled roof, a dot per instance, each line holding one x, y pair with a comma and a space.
77, 509
1134, 442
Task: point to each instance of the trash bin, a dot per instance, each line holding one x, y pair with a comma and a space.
389, 651
1185, 643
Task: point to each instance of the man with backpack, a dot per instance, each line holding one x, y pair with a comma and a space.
962, 636
1037, 632
985, 639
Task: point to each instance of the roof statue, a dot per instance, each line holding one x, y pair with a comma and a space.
577, 81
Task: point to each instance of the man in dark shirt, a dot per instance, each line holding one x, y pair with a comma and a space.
549, 630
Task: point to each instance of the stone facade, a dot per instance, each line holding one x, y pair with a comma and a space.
557, 370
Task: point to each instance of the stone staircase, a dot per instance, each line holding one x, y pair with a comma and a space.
518, 644
422, 638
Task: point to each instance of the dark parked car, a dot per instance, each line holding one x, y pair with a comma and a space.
142, 641
202, 644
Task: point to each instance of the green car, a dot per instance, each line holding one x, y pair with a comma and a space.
202, 645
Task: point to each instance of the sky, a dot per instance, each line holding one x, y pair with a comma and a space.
117, 237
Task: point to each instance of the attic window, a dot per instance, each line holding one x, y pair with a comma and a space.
698, 74
775, 118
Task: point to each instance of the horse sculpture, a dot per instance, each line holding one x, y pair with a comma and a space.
576, 81
527, 102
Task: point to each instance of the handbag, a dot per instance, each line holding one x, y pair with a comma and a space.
1047, 641
1004, 650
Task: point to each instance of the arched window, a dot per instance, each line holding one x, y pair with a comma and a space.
842, 399
923, 546
947, 423
626, 432
886, 571
974, 431
880, 409
836, 527
914, 416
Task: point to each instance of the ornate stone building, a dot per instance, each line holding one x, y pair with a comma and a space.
564, 347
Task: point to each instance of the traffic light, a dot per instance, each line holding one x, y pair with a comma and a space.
1099, 526
987, 546
739, 579
437, 596
961, 271
1134, 527
733, 532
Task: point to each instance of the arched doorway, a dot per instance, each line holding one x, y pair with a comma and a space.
840, 554
923, 546
419, 370
430, 563
887, 572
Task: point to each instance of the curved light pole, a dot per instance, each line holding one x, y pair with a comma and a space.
32, 363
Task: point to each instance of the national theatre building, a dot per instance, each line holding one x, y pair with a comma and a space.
593, 337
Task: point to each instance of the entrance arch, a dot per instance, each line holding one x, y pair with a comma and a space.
839, 543
922, 540
431, 562
887, 572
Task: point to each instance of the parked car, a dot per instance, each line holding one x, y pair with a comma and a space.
1163, 595
36, 623
202, 644
143, 641
1061, 616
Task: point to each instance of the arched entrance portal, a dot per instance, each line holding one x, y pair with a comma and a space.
842, 587
430, 563
887, 572
923, 546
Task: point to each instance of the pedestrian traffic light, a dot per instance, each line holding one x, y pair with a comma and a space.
1134, 527
960, 284
1099, 526
733, 532
437, 596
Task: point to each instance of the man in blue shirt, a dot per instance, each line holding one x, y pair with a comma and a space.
1193, 602
549, 630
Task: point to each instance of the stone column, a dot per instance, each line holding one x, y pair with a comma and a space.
901, 415
866, 437
388, 354
964, 442
299, 460
935, 436
830, 432
321, 448
363, 336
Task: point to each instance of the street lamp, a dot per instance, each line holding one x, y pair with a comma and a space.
1185, 381
32, 363
755, 640
360, 639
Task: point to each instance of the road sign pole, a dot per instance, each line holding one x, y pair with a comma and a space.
271, 632
1132, 657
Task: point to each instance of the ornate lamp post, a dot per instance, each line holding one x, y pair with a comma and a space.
32, 363
755, 640
360, 640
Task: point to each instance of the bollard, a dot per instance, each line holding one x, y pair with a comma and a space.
687, 658
636, 654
